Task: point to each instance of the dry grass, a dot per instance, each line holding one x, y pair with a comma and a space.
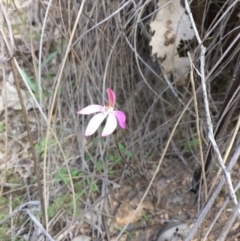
71, 51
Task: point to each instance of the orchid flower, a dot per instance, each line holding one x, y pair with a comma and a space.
107, 111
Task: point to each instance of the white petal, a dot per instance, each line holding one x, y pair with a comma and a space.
90, 109
110, 126
94, 123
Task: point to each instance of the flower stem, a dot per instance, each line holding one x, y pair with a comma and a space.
125, 161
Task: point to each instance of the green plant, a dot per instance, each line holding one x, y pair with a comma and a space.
32, 82
2, 127
92, 184
49, 58
112, 158
131, 235
3, 205
39, 147
16, 200
13, 178
149, 155
99, 166
64, 201
145, 216
125, 152
115, 157
62, 175
193, 143
111, 173
4, 229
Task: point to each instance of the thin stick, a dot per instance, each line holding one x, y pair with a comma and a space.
38, 224
6, 121
211, 201
40, 53
208, 117
210, 131
10, 48
218, 214
18, 209
228, 150
36, 164
50, 118
229, 223
198, 129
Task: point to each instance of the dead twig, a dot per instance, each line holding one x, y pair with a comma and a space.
51, 114
38, 224
229, 223
36, 164
198, 129
219, 213
10, 49
209, 123
20, 208
210, 130
211, 201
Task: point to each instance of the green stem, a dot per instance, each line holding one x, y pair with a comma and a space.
125, 161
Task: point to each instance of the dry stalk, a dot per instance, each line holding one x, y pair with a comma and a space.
209, 123
50, 117
219, 213
198, 130
38, 224
210, 130
212, 199
6, 124
10, 49
36, 164
228, 149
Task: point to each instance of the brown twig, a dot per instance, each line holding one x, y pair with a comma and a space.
211, 137
198, 130
10, 49
36, 165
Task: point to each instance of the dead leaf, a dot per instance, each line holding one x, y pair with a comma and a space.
127, 209
25, 168
174, 232
172, 32
12, 100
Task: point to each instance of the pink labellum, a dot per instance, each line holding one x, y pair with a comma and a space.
111, 97
121, 117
